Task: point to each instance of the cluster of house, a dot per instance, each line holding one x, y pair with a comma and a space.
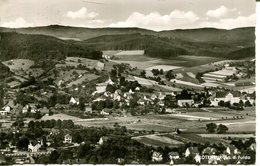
232, 97
11, 108
208, 155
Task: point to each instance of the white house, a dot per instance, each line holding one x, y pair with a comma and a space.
161, 103
102, 140
184, 103
34, 146
191, 151
5, 110
161, 96
74, 101
232, 97
67, 139
157, 157
231, 150
31, 107
104, 112
174, 156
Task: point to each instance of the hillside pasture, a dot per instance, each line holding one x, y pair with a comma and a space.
19, 64
163, 67
89, 63
157, 141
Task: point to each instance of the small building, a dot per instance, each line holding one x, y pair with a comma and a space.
253, 147
31, 107
232, 97
209, 151
161, 103
68, 139
74, 101
161, 96
34, 146
231, 150
174, 155
191, 151
7, 108
141, 102
88, 110
157, 157
104, 112
102, 140
185, 103
153, 97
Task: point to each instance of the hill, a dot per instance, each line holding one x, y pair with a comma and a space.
165, 47
242, 53
244, 35
40, 47
199, 42
76, 32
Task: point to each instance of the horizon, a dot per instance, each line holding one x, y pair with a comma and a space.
69, 26
159, 15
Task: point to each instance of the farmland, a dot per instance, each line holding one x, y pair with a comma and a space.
158, 140
186, 121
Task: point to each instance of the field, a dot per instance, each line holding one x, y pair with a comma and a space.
89, 63
185, 83
157, 141
163, 67
19, 64
227, 135
169, 122
137, 58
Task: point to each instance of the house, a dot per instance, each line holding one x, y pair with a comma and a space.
110, 82
191, 151
88, 110
252, 147
161, 103
74, 101
6, 109
131, 92
141, 102
209, 151
31, 107
174, 155
232, 97
104, 112
161, 96
102, 140
117, 95
137, 89
231, 150
185, 103
157, 157
34, 146
67, 139
153, 97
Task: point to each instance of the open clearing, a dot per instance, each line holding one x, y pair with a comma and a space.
19, 64
227, 135
157, 141
89, 63
163, 67
168, 122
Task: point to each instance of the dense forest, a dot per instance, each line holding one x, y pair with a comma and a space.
40, 47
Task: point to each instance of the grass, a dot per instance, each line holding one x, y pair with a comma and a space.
158, 141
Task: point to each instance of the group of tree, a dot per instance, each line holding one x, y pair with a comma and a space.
157, 72
212, 128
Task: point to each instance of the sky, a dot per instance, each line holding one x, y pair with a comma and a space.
149, 14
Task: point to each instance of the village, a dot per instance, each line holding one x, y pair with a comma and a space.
146, 106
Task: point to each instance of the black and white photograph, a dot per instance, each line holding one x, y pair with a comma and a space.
128, 82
